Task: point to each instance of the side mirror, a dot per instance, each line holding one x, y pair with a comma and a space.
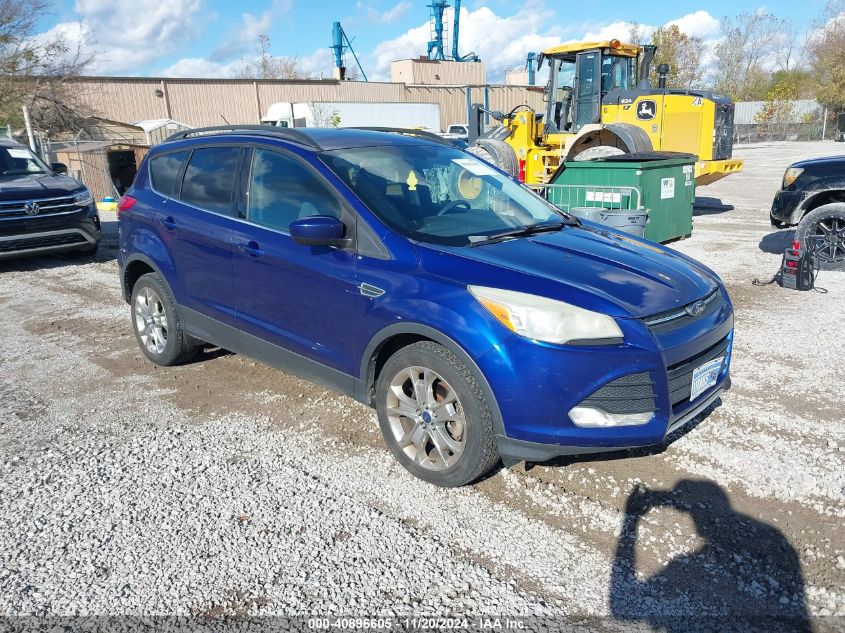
318, 230
59, 168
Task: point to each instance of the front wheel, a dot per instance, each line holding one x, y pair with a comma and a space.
433, 416
822, 231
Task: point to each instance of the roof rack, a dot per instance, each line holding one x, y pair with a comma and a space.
286, 133
428, 136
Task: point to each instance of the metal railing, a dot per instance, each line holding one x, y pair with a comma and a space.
568, 197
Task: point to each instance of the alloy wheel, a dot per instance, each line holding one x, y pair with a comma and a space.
151, 321
426, 418
826, 238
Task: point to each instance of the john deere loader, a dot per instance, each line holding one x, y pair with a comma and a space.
600, 102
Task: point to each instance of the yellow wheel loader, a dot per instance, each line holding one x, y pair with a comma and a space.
600, 102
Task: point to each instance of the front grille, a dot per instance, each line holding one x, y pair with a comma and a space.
680, 374
41, 241
679, 317
723, 139
633, 393
46, 206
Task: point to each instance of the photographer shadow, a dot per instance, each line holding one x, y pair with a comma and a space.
744, 576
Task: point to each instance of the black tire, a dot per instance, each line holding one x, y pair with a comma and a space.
496, 153
830, 254
599, 151
179, 347
480, 452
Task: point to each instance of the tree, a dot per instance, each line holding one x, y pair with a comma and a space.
800, 82
269, 66
778, 111
636, 33
324, 115
681, 52
746, 43
826, 52
36, 71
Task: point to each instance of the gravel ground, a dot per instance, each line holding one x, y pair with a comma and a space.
225, 488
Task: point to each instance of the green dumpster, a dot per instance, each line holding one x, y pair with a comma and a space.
662, 183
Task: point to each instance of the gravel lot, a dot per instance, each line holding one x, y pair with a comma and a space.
228, 488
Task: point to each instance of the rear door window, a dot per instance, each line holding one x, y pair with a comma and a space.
165, 170
282, 190
210, 177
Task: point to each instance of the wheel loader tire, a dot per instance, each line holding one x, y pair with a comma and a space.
600, 151
497, 153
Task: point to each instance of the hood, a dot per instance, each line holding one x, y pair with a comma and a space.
36, 186
588, 266
827, 161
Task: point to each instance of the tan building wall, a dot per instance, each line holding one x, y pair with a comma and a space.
516, 77
204, 102
443, 73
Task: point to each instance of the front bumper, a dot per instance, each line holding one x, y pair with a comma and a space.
709, 171
46, 234
513, 450
784, 206
536, 385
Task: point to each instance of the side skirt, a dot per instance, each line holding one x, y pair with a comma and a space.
230, 338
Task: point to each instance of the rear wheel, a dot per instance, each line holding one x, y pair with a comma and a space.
157, 323
822, 231
433, 416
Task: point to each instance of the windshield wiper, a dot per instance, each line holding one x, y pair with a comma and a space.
543, 227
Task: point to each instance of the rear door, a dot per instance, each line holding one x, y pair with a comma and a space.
587, 88
300, 298
197, 231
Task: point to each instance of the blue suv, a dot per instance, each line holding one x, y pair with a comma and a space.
478, 319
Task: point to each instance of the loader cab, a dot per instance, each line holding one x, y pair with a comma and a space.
579, 77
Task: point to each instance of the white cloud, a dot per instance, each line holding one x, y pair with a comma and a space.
699, 24
126, 35
317, 65
243, 39
502, 42
391, 15
199, 67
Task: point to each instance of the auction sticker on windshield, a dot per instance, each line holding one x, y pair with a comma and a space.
474, 167
705, 377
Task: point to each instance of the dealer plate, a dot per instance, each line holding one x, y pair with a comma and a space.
705, 377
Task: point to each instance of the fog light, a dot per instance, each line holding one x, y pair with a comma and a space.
596, 418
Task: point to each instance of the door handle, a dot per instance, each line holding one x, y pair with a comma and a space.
168, 223
251, 248
368, 290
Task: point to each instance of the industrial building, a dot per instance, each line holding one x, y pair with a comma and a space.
203, 102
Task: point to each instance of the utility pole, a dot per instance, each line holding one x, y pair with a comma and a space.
28, 128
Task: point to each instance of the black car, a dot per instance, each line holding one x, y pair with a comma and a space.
42, 210
812, 198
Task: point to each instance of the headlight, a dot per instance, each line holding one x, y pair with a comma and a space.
545, 319
791, 174
83, 198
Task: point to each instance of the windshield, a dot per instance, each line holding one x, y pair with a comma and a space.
19, 161
438, 194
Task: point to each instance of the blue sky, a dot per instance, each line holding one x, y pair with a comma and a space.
212, 37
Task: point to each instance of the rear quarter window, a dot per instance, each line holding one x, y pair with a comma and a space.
164, 172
